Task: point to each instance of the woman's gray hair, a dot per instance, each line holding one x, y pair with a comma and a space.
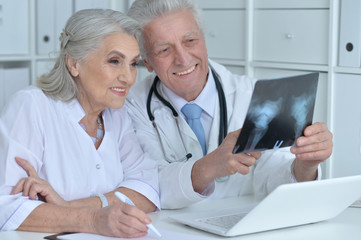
144, 11
84, 33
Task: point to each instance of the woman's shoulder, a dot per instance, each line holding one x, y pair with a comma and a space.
29, 93
28, 99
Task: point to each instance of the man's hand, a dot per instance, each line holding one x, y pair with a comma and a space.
310, 150
222, 162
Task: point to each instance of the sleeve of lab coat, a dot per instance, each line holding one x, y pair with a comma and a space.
140, 171
19, 136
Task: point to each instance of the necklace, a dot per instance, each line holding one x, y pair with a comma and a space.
100, 131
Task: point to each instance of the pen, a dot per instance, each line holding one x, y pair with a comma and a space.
126, 200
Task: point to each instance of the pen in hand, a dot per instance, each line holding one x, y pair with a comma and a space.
126, 200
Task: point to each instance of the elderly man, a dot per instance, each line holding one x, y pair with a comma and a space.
194, 154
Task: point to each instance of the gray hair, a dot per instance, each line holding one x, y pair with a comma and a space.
83, 34
144, 11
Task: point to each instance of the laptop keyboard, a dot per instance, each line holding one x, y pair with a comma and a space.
225, 222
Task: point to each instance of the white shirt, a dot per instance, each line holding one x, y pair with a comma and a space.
207, 100
47, 134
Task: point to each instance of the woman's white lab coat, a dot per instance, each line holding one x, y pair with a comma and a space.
176, 191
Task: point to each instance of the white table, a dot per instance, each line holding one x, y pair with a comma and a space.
345, 226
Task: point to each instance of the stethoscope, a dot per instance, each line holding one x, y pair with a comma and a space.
223, 125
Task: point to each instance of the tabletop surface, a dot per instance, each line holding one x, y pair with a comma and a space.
347, 225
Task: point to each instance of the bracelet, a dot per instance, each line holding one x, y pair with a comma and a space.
103, 199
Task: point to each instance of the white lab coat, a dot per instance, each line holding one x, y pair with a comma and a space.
47, 134
271, 170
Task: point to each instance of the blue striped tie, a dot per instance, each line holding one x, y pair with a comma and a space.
193, 113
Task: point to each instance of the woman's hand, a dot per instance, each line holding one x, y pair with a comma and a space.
34, 186
120, 220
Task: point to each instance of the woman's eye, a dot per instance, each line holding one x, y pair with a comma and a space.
115, 61
134, 64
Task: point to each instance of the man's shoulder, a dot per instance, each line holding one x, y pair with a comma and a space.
140, 90
232, 82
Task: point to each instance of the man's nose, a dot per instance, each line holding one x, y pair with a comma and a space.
181, 56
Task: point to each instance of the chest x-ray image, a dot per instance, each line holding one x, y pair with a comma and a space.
279, 111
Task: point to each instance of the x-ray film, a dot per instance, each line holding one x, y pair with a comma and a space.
279, 111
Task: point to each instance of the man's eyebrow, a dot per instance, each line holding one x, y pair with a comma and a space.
190, 33
185, 36
162, 44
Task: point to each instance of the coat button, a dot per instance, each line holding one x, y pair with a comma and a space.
97, 166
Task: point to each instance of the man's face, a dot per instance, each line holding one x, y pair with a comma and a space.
177, 53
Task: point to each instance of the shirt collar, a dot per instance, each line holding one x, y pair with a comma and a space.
76, 111
206, 99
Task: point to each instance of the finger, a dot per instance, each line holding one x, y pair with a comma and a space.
314, 138
237, 132
33, 191
316, 146
29, 169
256, 155
129, 227
135, 218
248, 159
240, 168
318, 152
315, 128
27, 185
313, 143
241, 164
18, 187
317, 156
233, 136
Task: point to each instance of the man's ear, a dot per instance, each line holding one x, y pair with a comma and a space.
73, 66
147, 65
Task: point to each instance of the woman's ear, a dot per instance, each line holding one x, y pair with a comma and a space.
73, 66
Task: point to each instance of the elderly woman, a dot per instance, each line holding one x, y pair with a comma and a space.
78, 141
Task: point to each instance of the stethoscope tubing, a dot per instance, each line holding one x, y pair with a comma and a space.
223, 125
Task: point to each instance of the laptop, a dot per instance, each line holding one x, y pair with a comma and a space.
288, 205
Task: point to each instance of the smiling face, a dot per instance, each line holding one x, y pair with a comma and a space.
105, 77
177, 52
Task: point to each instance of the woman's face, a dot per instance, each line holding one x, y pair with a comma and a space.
107, 74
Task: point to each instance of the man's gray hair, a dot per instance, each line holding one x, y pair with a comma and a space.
144, 11
84, 33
